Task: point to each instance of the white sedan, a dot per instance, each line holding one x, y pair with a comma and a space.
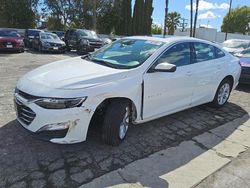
131, 81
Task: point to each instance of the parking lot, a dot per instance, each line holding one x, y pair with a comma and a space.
28, 162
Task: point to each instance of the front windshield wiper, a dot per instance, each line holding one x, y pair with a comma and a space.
87, 56
101, 62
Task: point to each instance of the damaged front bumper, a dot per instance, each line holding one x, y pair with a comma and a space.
62, 126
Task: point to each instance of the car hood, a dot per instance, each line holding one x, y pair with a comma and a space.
57, 41
69, 74
10, 39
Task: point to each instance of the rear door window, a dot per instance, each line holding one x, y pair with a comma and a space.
203, 52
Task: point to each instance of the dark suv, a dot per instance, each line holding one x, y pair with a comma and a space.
29, 36
82, 40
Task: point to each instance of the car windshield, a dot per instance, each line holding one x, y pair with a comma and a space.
245, 53
235, 44
49, 36
87, 33
9, 34
126, 53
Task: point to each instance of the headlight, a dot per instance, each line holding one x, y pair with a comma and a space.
20, 41
53, 103
107, 41
84, 42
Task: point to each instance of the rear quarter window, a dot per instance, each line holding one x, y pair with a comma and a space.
203, 52
218, 53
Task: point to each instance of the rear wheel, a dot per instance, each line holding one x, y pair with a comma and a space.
222, 93
116, 122
40, 48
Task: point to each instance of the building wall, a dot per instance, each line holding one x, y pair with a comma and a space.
212, 35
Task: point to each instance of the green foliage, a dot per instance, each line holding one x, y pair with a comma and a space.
54, 23
148, 9
142, 21
238, 21
172, 22
138, 17
18, 13
156, 29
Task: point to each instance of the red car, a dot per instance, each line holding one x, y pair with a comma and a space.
10, 40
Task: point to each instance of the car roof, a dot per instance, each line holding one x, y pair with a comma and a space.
170, 39
240, 40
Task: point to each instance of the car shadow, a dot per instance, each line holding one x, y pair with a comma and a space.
21, 154
70, 53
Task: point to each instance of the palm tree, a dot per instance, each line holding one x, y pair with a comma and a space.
191, 18
173, 21
166, 18
195, 17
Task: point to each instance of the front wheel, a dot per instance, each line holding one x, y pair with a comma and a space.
222, 93
116, 122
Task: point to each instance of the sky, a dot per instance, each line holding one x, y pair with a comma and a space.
211, 12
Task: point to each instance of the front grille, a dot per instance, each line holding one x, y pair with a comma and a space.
245, 70
55, 44
96, 44
24, 113
8, 43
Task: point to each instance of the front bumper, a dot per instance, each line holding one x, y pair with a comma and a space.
54, 49
245, 75
76, 121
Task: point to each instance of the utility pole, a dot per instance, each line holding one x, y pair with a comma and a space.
229, 12
191, 18
195, 17
166, 18
183, 24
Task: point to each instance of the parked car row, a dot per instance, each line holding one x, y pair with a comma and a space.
81, 40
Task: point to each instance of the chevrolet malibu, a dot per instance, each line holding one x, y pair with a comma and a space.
131, 81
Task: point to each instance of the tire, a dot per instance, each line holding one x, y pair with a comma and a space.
78, 50
116, 122
40, 48
222, 94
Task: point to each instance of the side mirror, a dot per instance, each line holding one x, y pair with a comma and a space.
164, 67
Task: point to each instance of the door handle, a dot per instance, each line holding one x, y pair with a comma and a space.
189, 73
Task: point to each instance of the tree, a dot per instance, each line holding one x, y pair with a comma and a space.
148, 10
18, 13
191, 18
138, 17
94, 14
166, 18
156, 29
172, 22
54, 23
195, 17
237, 21
62, 10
